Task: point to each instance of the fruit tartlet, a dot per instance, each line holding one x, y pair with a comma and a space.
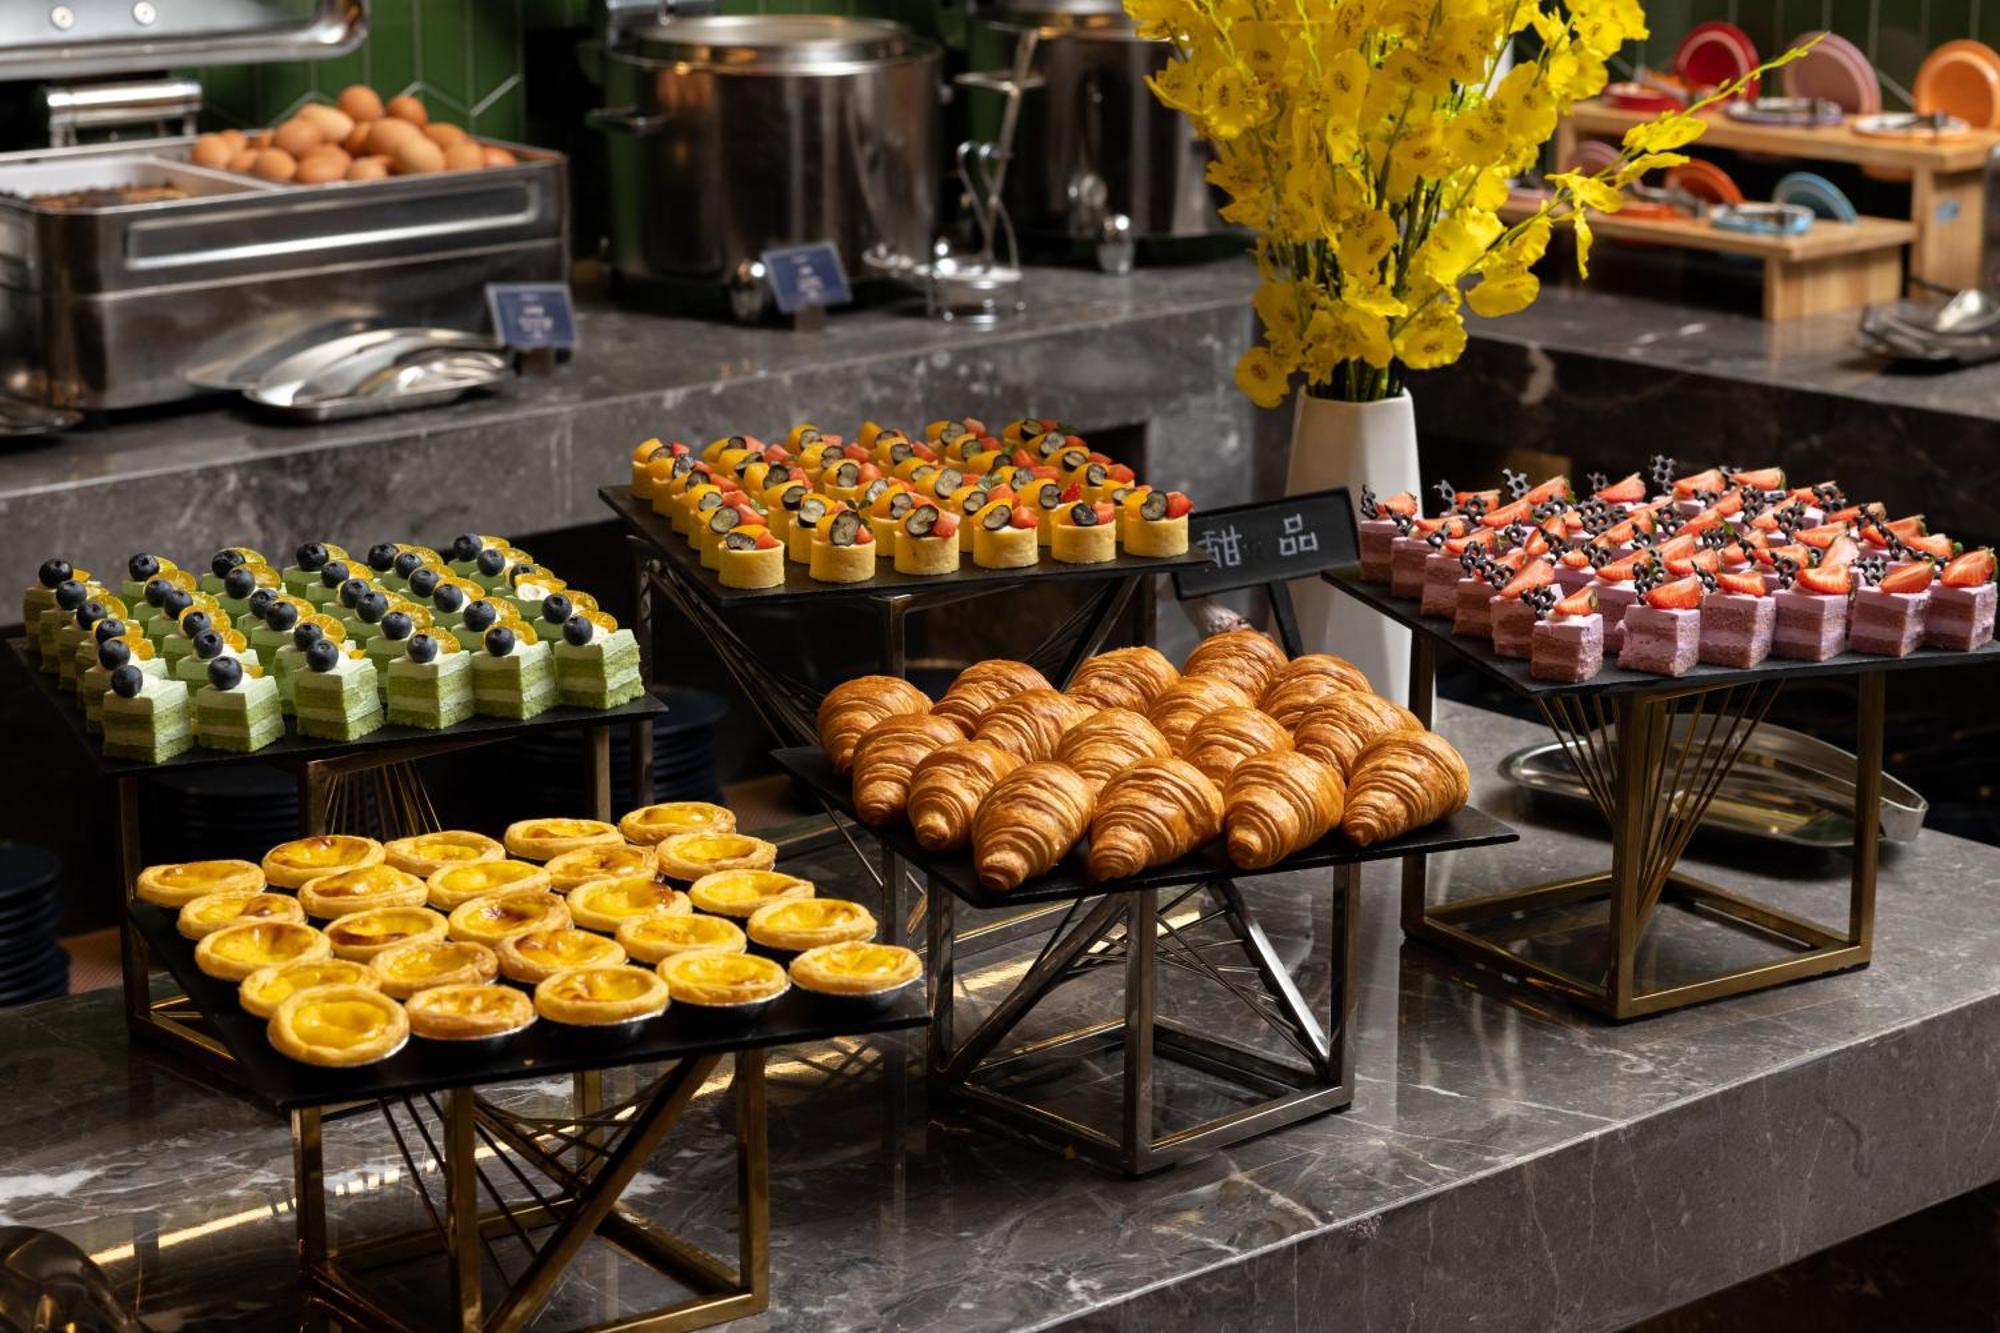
234, 952
751, 556
338, 1026
843, 549
1083, 532
534, 956
265, 989
653, 824
812, 511
1003, 535
1156, 524
291, 865
424, 854
926, 542
686, 857
653, 939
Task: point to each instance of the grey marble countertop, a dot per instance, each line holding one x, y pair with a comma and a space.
1507, 1164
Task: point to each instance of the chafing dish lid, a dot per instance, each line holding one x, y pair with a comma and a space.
771, 42
91, 39
1068, 13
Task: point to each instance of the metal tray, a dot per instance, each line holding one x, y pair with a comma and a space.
1786, 787
381, 370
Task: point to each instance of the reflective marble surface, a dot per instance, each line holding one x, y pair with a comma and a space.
1505, 1165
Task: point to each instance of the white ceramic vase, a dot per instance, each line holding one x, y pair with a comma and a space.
1352, 445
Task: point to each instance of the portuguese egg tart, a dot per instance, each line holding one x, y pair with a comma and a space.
855, 968
265, 989
536, 955
362, 935
595, 996
738, 893
234, 952
606, 904
456, 885
404, 969
427, 853
468, 1013
212, 911
493, 918
799, 924
650, 824
689, 856
587, 863
654, 939
720, 980
362, 889
339, 1026
181, 883
540, 839
290, 864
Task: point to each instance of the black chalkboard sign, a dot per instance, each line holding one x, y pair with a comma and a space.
1270, 541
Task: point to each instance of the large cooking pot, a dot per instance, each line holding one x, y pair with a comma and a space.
731, 135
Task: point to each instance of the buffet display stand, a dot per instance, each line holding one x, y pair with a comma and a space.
1653, 751
544, 1183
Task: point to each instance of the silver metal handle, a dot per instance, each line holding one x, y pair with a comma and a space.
624, 120
88, 106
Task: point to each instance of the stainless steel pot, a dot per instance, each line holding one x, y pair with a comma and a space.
733, 135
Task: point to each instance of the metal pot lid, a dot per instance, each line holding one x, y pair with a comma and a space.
765, 42
1068, 13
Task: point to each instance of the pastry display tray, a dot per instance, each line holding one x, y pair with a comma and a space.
1514, 671
969, 578
543, 1050
293, 746
1068, 881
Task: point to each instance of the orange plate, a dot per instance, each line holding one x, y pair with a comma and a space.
1706, 182
1962, 79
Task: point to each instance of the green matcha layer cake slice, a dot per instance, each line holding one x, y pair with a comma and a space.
235, 710
74, 638
94, 681
40, 596
335, 697
88, 653
146, 717
595, 668
430, 687
48, 623
389, 645
512, 679
209, 648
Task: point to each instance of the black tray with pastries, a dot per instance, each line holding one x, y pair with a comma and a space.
542, 1050
1069, 881
642, 522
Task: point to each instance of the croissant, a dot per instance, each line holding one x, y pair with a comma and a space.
1403, 781
1304, 682
1156, 811
1123, 678
1278, 803
1188, 700
1028, 822
1243, 657
887, 755
948, 786
1338, 727
1101, 746
850, 708
983, 684
1225, 738
1030, 724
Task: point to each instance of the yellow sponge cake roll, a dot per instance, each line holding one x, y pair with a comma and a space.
1156, 523
927, 542
750, 556
843, 549
1003, 536
886, 511
1084, 534
1042, 495
812, 511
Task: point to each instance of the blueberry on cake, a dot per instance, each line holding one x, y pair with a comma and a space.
430, 684
479, 617
515, 676
236, 710
40, 595
146, 717
211, 646
335, 697
391, 641
95, 682
597, 663
302, 578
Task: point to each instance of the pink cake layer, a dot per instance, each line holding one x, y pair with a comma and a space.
1513, 626
1661, 641
1572, 579
1406, 566
1472, 609
1612, 599
1567, 648
1376, 535
1960, 618
1888, 624
1811, 626
1441, 575
1736, 629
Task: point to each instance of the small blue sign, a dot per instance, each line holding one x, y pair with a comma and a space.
803, 276
528, 315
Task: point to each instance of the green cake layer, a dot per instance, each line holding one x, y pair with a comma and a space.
432, 694
520, 685
243, 719
384, 652
156, 725
47, 626
35, 600
341, 704
603, 674
94, 682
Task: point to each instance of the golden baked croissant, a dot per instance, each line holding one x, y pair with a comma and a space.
1307, 680
1278, 803
1225, 738
1403, 781
1123, 678
1338, 727
853, 706
1243, 657
1028, 822
1031, 723
1190, 699
983, 684
1156, 811
1116, 738
947, 788
886, 756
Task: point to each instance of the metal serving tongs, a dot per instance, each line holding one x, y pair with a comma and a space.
984, 286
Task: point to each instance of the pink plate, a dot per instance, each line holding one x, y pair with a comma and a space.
1836, 71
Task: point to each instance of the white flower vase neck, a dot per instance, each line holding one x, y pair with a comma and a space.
1354, 445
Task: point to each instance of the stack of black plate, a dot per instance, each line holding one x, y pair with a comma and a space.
552, 762
33, 965
228, 810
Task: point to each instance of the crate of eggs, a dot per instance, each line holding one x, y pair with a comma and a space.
359, 137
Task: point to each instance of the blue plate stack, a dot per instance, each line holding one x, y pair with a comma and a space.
552, 761
33, 965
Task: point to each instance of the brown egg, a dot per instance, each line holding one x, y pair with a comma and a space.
409, 108
298, 137
334, 124
275, 164
368, 169
257, 139
416, 155
359, 101
464, 157
444, 135
332, 150
211, 150
321, 168
389, 133
234, 138
357, 139
244, 160
498, 157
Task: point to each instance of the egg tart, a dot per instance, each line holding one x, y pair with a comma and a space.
362, 935
427, 853
721, 980
290, 864
606, 904
587, 863
338, 1026
361, 890
404, 969
806, 923
654, 939
468, 1013
689, 856
213, 911
596, 996
181, 883
856, 968
454, 886
234, 952
650, 824
738, 893
536, 955
266, 988
540, 839
493, 918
